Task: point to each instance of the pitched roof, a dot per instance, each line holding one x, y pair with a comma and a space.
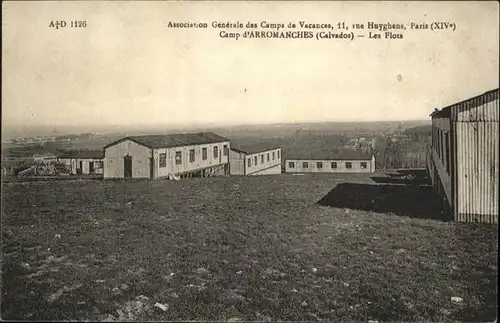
467, 104
96, 154
253, 148
173, 140
346, 154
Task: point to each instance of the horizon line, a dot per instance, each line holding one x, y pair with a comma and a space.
210, 123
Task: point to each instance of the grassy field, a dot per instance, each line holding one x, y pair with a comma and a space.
259, 248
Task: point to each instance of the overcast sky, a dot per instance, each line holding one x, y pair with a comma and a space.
127, 67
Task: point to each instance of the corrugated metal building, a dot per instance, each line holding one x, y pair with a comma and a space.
347, 161
254, 159
160, 156
86, 162
463, 157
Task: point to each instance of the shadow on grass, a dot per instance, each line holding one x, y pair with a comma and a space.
404, 176
416, 201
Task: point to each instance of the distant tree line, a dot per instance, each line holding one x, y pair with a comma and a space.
410, 153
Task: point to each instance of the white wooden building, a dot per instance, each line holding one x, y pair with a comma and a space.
464, 156
346, 161
166, 156
254, 159
83, 162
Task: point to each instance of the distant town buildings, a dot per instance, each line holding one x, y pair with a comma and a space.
361, 143
45, 139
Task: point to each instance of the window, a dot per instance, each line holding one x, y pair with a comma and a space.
363, 165
178, 157
447, 148
216, 152
438, 147
204, 153
434, 138
273, 155
191, 156
443, 155
334, 165
163, 160
226, 150
440, 138
436, 142
348, 165
255, 160
440, 144
305, 165
249, 162
290, 164
268, 157
99, 164
319, 164
262, 159
278, 154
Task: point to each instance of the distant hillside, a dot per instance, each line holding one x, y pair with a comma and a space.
277, 129
319, 128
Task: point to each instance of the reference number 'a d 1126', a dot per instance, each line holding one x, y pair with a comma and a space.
63, 24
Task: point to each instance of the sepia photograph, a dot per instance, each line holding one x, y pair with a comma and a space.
250, 161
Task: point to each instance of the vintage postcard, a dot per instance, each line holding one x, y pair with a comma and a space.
249, 161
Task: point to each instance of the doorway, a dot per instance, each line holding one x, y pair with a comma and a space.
127, 166
151, 169
91, 168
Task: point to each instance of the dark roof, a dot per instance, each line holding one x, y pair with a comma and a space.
443, 113
96, 154
347, 154
252, 148
467, 104
173, 140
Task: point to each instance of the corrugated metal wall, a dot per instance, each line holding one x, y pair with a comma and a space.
477, 160
441, 126
482, 108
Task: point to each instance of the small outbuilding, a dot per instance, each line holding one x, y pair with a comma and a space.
347, 161
255, 159
83, 162
167, 156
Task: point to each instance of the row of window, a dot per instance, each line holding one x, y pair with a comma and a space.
192, 155
262, 158
441, 144
348, 165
